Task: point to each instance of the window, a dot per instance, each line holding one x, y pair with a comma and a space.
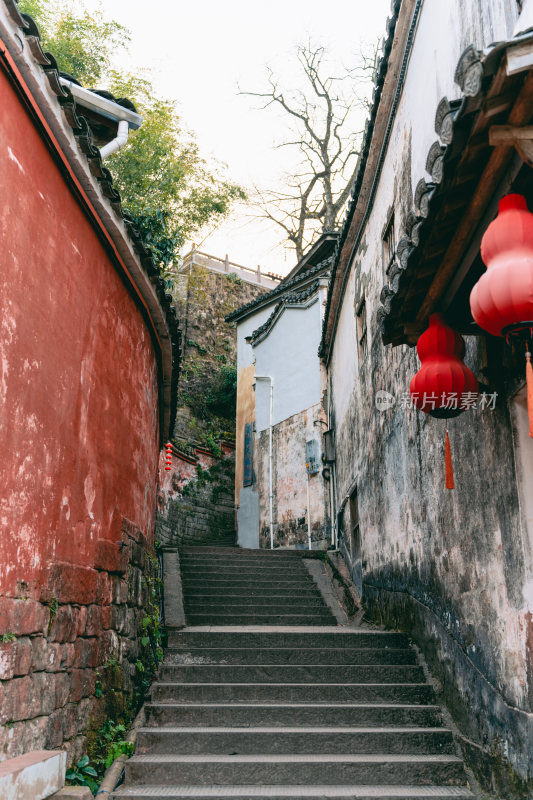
389, 246
361, 330
248, 466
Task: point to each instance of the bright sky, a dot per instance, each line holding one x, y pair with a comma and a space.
199, 52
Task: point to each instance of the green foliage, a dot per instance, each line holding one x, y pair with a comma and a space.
7, 637
213, 445
168, 190
201, 349
53, 611
222, 397
83, 43
110, 743
83, 774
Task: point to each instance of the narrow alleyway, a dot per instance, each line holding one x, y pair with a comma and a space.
264, 694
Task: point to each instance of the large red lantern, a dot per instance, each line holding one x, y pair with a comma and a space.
443, 387
502, 300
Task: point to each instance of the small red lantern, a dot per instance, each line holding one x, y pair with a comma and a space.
502, 300
443, 387
168, 460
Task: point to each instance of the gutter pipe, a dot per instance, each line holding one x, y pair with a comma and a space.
118, 142
270, 488
107, 108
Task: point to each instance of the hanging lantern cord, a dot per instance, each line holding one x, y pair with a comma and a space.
450, 483
529, 383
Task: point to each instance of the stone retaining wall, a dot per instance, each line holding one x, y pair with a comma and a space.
68, 660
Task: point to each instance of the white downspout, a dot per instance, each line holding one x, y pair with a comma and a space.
125, 117
309, 547
118, 142
270, 487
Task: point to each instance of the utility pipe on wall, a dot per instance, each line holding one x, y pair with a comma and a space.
309, 547
125, 117
270, 488
118, 142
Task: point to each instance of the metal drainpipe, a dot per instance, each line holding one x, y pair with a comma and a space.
270, 491
309, 547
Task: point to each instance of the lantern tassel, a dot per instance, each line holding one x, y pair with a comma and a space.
450, 484
529, 381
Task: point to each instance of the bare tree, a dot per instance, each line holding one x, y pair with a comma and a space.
326, 120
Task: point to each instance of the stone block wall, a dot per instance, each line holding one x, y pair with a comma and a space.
68, 660
195, 501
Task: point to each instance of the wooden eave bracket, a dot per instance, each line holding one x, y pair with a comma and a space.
511, 135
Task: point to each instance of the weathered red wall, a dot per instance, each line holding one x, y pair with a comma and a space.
78, 378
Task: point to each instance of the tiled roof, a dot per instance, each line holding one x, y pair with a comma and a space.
292, 298
279, 290
456, 164
80, 125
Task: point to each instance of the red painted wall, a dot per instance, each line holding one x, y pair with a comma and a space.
78, 375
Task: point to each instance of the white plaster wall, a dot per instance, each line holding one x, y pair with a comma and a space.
445, 29
289, 355
245, 327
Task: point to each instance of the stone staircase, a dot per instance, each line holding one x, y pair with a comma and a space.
250, 587
286, 711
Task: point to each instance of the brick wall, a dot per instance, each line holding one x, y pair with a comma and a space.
69, 661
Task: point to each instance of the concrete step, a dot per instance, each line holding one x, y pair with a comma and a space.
206, 714
288, 655
224, 583
234, 565
259, 608
276, 740
242, 552
283, 673
320, 618
275, 693
230, 560
297, 792
255, 600
255, 591
263, 574
337, 637
199, 770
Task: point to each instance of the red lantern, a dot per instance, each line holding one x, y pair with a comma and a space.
502, 300
168, 459
444, 386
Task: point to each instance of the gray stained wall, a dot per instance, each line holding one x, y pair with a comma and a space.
453, 567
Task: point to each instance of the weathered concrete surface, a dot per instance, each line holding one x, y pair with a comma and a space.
317, 570
73, 793
452, 567
290, 484
173, 592
35, 775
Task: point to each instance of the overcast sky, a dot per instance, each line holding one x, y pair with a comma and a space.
199, 52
